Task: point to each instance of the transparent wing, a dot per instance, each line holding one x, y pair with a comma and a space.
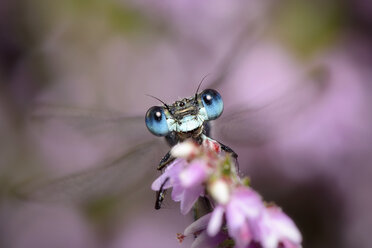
245, 126
121, 176
130, 154
96, 125
251, 126
246, 39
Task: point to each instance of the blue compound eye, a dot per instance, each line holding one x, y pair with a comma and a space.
213, 103
156, 121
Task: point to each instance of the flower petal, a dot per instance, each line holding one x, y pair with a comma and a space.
234, 217
215, 222
242, 235
177, 192
205, 241
275, 227
194, 174
170, 172
284, 225
189, 198
198, 225
237, 223
159, 181
248, 202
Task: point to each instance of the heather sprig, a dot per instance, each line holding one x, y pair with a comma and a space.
240, 218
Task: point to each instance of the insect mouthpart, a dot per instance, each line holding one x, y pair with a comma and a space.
185, 116
190, 111
182, 108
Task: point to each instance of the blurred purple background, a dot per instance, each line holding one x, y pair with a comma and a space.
295, 77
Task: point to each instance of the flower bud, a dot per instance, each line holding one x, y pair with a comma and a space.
184, 150
220, 191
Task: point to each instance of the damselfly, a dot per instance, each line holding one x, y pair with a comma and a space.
186, 119
133, 152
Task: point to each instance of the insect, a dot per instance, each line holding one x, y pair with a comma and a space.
185, 119
130, 150
130, 146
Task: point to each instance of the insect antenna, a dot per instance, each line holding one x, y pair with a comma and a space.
197, 90
165, 105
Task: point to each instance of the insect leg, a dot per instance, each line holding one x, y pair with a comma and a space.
206, 129
231, 151
165, 160
160, 194
228, 149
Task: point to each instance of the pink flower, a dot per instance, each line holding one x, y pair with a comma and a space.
243, 209
203, 240
274, 227
240, 217
249, 221
186, 180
